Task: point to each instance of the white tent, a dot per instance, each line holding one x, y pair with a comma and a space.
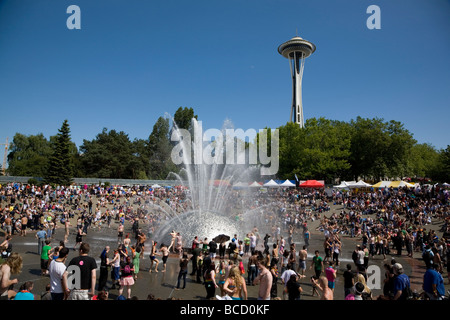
360, 184
344, 185
271, 184
240, 185
156, 186
445, 184
287, 183
255, 185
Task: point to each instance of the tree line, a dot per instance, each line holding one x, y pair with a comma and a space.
330, 150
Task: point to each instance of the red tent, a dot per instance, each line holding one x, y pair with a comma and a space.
311, 184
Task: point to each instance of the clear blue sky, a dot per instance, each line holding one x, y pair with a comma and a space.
133, 61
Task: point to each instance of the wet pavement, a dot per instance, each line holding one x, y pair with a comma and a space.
162, 284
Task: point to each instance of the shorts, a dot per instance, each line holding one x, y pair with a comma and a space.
120, 235
152, 258
164, 259
212, 255
79, 295
127, 281
8, 228
44, 264
331, 284
302, 264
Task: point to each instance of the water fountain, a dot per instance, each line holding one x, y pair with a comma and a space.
215, 207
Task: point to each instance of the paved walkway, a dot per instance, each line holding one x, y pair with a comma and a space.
161, 285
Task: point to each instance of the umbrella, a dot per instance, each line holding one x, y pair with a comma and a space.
221, 238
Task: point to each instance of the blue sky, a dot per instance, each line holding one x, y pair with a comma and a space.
135, 60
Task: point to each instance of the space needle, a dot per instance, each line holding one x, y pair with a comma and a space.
296, 51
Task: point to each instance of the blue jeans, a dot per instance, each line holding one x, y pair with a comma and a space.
251, 275
182, 274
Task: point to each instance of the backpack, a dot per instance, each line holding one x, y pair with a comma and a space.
127, 269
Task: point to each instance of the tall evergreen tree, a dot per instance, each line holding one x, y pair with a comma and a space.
60, 166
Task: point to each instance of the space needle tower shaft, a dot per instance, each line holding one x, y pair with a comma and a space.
296, 51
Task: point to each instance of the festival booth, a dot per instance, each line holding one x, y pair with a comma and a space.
219, 183
271, 184
311, 184
287, 184
255, 185
392, 184
360, 184
240, 186
344, 185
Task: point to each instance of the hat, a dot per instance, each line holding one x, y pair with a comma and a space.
398, 266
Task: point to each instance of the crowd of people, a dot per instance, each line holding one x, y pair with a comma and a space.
380, 221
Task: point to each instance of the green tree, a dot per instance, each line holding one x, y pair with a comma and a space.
183, 117
443, 167
159, 150
423, 160
60, 166
379, 149
320, 150
28, 155
326, 149
109, 155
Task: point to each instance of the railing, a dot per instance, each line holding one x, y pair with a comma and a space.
96, 181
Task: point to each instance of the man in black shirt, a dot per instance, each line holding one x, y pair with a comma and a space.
349, 276
87, 273
212, 249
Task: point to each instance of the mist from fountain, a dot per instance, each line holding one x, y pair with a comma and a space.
214, 206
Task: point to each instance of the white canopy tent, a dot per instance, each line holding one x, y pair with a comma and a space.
156, 186
344, 185
287, 183
255, 185
360, 184
271, 184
